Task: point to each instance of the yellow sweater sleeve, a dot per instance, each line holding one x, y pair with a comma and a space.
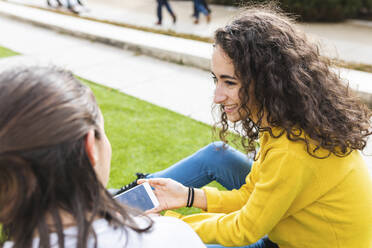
278, 180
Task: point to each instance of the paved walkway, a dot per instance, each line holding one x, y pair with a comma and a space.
183, 89
349, 41
182, 51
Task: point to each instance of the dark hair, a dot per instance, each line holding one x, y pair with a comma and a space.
293, 85
44, 169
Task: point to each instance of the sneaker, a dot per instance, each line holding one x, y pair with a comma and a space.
174, 18
132, 184
209, 18
73, 9
80, 2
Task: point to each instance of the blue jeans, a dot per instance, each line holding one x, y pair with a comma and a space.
199, 7
160, 5
228, 167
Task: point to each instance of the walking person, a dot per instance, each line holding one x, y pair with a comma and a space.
201, 6
72, 6
59, 4
165, 3
205, 4
307, 185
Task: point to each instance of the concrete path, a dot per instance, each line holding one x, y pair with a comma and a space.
183, 89
181, 51
349, 41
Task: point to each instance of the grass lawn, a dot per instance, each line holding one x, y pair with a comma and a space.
144, 137
5, 52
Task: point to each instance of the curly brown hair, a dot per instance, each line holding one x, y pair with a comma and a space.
294, 86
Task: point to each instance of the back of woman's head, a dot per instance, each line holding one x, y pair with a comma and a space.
294, 87
44, 169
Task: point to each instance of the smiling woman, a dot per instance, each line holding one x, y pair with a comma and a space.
308, 185
227, 85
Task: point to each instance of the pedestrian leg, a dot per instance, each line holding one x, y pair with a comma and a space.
159, 11
170, 11
201, 8
196, 12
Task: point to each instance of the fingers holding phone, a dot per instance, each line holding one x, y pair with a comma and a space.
140, 197
170, 194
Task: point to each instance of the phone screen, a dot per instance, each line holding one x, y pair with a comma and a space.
138, 197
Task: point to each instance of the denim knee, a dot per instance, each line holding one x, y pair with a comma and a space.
215, 149
215, 152
219, 154
216, 146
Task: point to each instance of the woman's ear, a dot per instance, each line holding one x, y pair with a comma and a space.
90, 148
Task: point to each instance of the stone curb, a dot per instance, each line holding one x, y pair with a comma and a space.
181, 52
180, 56
361, 23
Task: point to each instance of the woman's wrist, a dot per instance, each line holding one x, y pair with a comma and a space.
196, 198
190, 197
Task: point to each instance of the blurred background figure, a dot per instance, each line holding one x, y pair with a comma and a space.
76, 6
205, 4
165, 3
57, 3
201, 6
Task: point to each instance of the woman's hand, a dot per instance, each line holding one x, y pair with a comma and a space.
171, 194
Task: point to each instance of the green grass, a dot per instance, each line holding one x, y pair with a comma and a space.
144, 137
5, 52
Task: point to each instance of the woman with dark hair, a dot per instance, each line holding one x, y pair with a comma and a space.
308, 185
54, 166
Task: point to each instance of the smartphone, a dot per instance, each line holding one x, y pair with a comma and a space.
141, 197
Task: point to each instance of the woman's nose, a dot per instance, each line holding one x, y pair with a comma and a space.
219, 95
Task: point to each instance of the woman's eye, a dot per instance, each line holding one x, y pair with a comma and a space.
230, 83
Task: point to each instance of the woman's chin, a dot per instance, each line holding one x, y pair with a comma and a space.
233, 118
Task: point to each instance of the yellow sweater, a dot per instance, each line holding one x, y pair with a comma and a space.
298, 200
